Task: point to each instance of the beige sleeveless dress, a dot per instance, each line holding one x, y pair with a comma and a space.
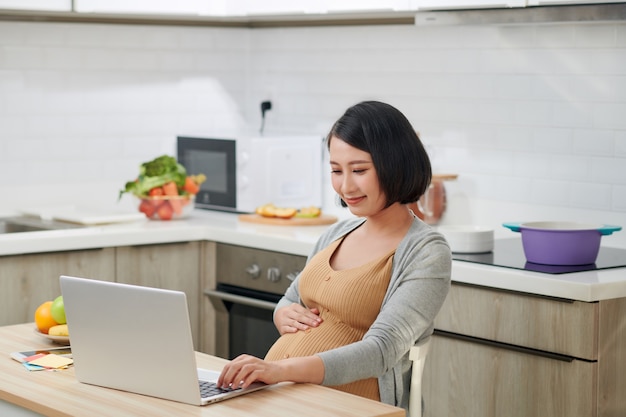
349, 301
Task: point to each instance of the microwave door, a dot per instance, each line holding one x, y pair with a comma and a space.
216, 159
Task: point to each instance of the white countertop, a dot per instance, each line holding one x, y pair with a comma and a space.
298, 240
201, 225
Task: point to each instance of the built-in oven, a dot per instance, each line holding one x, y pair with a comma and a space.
248, 284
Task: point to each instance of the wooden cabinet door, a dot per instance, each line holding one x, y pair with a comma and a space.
26, 281
466, 4
468, 379
173, 266
212, 318
554, 325
57, 5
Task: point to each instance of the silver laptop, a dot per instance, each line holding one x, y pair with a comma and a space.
137, 339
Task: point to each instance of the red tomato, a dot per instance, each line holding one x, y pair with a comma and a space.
147, 208
165, 211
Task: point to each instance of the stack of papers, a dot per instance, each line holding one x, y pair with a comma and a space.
43, 361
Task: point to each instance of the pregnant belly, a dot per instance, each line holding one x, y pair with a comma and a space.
330, 334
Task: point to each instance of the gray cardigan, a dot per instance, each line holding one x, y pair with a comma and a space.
420, 280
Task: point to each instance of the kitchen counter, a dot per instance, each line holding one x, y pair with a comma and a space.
200, 225
60, 394
298, 240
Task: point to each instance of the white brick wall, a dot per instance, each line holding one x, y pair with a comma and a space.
82, 105
532, 117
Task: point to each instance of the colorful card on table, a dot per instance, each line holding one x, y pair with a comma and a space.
51, 361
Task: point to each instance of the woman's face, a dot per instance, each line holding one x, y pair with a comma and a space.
354, 178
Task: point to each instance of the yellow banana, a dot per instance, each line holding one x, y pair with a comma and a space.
59, 330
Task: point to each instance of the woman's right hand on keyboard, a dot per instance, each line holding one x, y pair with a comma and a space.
246, 369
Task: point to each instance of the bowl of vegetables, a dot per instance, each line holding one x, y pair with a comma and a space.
166, 207
164, 189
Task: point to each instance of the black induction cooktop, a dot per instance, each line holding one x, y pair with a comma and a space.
509, 253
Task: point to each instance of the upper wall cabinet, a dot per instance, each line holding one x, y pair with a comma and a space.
255, 13
238, 8
369, 5
54, 5
466, 4
560, 2
189, 7
494, 4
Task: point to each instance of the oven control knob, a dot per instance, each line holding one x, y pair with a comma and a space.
254, 271
273, 274
292, 276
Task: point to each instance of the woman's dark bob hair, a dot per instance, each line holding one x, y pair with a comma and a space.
401, 162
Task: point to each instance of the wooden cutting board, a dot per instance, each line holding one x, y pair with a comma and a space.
444, 177
294, 221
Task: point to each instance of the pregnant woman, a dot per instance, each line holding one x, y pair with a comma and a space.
374, 283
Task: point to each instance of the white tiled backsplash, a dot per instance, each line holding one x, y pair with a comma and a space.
531, 117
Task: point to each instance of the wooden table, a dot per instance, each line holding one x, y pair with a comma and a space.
58, 393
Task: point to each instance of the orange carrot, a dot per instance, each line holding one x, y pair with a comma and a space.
170, 189
190, 186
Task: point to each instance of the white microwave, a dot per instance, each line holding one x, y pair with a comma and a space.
246, 172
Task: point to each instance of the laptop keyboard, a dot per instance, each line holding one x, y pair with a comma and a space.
208, 389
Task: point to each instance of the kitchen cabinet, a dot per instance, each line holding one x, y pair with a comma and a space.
563, 2
212, 317
466, 4
495, 4
474, 380
239, 8
198, 7
320, 7
499, 352
56, 5
282, 13
174, 266
29, 280
143, 6
370, 5
285, 7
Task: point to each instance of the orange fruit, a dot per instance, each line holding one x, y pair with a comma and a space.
43, 317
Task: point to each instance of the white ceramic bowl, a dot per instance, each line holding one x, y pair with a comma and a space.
468, 238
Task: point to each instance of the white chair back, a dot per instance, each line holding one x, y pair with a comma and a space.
418, 355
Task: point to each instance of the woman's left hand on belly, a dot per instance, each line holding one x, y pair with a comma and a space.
295, 317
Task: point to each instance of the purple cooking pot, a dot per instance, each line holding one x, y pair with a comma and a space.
561, 243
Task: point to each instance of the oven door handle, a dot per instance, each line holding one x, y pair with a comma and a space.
239, 299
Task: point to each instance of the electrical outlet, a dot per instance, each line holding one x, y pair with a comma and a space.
265, 106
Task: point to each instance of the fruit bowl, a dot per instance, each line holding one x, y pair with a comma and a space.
63, 340
165, 207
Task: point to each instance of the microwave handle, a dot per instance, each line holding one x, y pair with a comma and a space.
251, 302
